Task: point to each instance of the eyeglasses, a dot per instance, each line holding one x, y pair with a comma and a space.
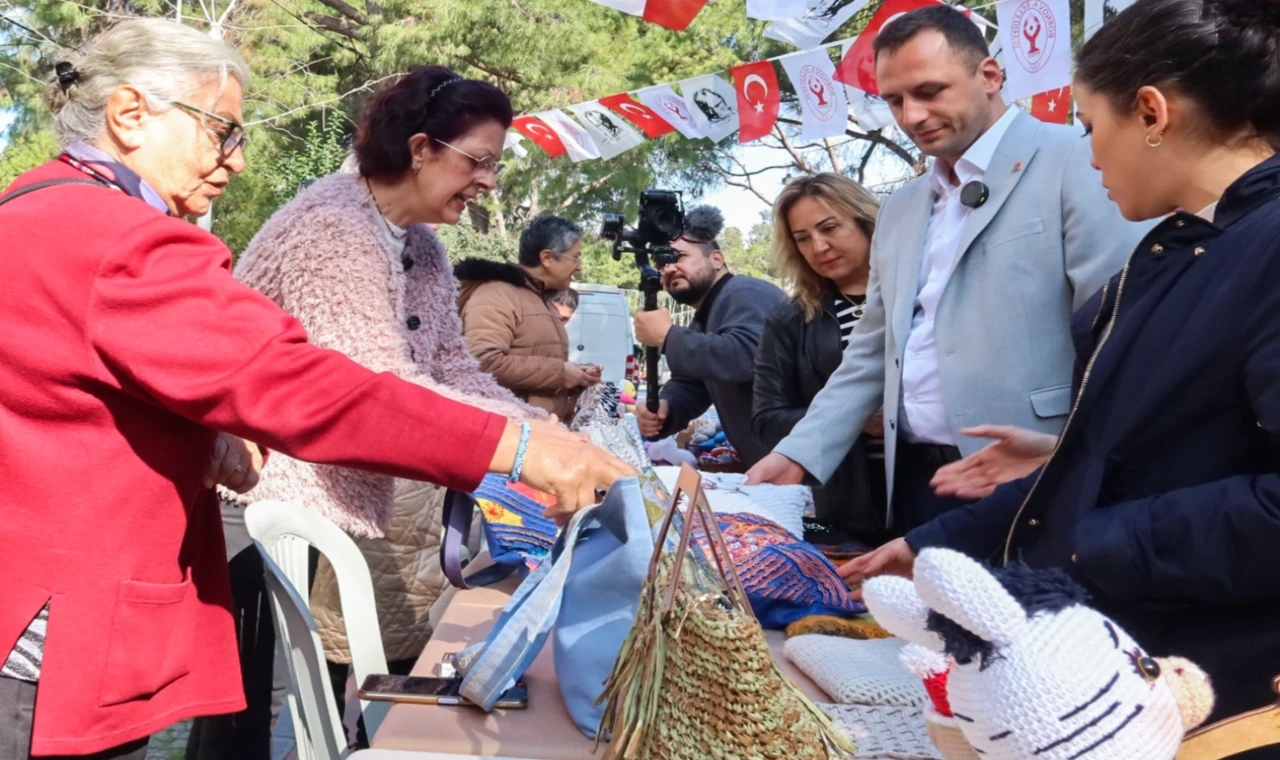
486, 165
230, 137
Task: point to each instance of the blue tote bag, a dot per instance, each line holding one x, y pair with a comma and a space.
583, 598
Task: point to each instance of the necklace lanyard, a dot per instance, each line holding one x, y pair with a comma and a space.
92, 172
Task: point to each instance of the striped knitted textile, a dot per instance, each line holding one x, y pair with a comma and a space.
24, 661
884, 732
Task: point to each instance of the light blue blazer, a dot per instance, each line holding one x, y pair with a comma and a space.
1045, 241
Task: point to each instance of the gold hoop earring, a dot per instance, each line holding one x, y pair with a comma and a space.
1159, 141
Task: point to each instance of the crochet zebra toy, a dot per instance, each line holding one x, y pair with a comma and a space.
1035, 674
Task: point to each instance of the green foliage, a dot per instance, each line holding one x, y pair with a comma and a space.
320, 155
26, 150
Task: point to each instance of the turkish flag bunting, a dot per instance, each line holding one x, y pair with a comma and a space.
673, 14
758, 99
540, 133
1053, 106
644, 117
858, 67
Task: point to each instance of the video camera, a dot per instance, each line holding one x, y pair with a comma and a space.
661, 221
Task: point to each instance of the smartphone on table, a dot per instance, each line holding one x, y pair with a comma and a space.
433, 691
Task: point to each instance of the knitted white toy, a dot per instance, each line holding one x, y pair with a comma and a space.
1037, 675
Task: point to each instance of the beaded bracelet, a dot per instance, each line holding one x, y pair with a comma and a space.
517, 469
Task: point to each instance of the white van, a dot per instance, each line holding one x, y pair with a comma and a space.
600, 331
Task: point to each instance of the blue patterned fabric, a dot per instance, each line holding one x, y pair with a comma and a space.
785, 579
515, 530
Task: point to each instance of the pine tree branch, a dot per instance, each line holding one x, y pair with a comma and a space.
831, 154
745, 185
369, 85
337, 26
346, 10
866, 159
584, 190
505, 74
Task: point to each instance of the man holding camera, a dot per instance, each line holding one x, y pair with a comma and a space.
712, 360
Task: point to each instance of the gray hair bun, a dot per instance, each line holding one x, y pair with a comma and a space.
703, 224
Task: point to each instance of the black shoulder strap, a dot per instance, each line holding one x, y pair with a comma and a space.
34, 186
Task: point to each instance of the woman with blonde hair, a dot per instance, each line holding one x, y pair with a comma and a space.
822, 248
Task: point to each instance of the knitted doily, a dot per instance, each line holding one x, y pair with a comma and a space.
857, 672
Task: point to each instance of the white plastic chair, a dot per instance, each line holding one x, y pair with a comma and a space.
283, 532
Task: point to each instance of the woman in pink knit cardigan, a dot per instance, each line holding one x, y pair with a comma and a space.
345, 258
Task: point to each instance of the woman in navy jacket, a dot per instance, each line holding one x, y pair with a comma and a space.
1163, 493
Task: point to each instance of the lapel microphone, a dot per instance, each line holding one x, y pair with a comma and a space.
974, 194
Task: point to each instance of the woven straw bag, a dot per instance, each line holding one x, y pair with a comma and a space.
695, 679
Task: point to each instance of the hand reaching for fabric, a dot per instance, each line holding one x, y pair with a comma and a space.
1015, 453
561, 463
234, 464
894, 558
775, 469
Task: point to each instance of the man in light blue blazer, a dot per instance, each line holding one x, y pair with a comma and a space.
976, 268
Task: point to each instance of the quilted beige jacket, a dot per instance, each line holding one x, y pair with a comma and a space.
405, 566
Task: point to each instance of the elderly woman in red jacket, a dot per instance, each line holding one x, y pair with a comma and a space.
127, 347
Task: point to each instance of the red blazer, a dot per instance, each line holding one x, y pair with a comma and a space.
126, 344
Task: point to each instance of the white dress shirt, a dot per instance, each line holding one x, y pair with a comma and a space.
924, 418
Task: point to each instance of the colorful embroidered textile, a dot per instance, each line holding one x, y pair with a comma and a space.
515, 530
785, 579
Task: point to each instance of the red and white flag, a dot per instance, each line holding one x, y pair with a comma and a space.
542, 135
858, 67
673, 14
644, 117
870, 111
758, 99
1053, 106
826, 112
1036, 38
776, 10
577, 140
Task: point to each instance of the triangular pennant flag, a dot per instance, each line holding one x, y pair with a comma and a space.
512, 143
714, 105
776, 10
1036, 37
612, 134
826, 113
644, 117
758, 99
858, 67
579, 143
870, 111
1053, 106
809, 30
670, 106
673, 14
542, 135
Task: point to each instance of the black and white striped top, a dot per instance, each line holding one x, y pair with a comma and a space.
849, 310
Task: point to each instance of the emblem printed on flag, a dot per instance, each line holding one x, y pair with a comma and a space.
822, 100
612, 135
713, 104
1037, 51
809, 30
673, 108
